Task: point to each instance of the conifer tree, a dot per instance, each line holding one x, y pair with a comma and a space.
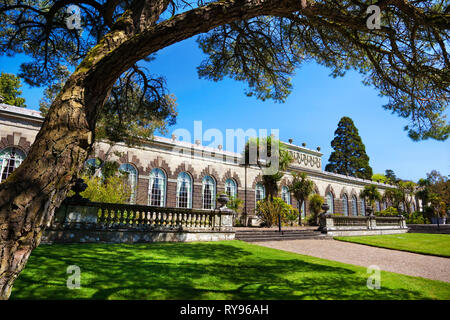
349, 156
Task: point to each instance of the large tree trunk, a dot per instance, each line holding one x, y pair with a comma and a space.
29, 197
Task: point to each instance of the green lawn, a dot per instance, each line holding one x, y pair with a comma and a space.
205, 270
424, 243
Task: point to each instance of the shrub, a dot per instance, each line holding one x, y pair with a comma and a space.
268, 212
388, 212
114, 189
311, 220
417, 218
315, 206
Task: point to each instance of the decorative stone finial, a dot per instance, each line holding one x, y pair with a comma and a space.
318, 148
78, 187
291, 140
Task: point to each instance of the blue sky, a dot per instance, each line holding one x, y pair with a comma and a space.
310, 114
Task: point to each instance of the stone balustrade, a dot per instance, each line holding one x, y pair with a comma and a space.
106, 222
361, 225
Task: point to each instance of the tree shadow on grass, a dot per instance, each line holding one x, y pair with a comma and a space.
190, 271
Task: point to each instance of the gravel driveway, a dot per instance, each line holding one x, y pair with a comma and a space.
413, 264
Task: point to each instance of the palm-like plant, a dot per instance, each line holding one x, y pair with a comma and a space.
315, 205
301, 187
371, 193
264, 157
423, 191
407, 188
395, 196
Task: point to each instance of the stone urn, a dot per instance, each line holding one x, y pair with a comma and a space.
325, 207
78, 187
223, 200
369, 211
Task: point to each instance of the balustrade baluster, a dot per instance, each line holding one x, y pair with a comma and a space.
153, 219
188, 220
164, 219
101, 217
175, 220
204, 221
109, 218
170, 222
183, 220
138, 218
158, 219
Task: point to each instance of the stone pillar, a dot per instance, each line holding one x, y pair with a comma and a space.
371, 222
223, 219
403, 222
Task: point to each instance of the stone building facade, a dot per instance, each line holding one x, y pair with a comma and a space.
172, 173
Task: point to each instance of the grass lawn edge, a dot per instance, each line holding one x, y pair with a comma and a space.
353, 265
346, 239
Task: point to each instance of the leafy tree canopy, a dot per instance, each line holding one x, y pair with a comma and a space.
379, 177
271, 154
435, 186
9, 90
259, 42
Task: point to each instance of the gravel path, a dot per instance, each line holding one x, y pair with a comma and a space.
413, 264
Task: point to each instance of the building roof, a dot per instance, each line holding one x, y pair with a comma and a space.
23, 112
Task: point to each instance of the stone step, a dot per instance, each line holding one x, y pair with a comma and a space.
288, 235
283, 238
254, 236
283, 232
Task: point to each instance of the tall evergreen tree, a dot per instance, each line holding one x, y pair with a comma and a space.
390, 175
349, 156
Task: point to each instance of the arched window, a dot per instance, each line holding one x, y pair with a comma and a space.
377, 204
10, 159
208, 192
354, 206
285, 195
363, 206
184, 190
231, 188
413, 206
132, 174
157, 188
330, 202
260, 192
345, 204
